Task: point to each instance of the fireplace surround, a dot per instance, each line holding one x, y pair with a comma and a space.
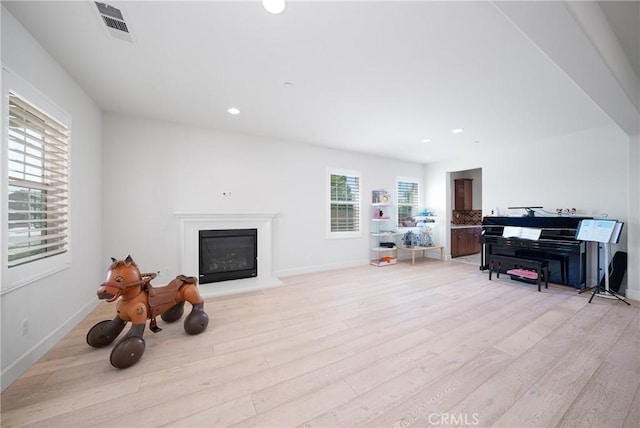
191, 223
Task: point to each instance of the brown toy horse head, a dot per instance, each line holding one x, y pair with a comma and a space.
139, 301
123, 279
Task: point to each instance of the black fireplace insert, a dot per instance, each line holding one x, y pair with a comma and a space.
228, 254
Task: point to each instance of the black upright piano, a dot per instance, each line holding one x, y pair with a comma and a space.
567, 256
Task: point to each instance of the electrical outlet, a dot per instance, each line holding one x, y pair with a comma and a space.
25, 327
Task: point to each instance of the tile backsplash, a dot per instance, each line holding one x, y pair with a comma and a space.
466, 217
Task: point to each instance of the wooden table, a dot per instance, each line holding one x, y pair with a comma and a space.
414, 250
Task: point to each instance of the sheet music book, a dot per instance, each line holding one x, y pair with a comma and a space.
521, 232
597, 230
615, 236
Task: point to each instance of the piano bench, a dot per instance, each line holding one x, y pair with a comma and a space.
562, 258
541, 267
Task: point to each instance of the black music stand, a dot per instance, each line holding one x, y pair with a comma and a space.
605, 232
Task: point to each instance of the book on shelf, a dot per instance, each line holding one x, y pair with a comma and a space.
380, 196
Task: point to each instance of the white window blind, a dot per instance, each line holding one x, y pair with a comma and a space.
345, 203
38, 162
408, 199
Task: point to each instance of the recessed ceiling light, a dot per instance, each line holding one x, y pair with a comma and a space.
457, 130
233, 110
426, 140
274, 6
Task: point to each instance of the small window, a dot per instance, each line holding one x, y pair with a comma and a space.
408, 200
37, 169
344, 205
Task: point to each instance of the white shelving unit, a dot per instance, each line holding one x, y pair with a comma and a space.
383, 231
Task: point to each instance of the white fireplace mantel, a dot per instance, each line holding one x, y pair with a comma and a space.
192, 223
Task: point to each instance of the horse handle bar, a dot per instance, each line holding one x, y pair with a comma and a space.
146, 277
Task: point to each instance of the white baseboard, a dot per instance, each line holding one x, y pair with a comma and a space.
23, 363
632, 294
237, 286
319, 268
331, 266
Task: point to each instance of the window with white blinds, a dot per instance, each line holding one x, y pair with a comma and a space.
344, 207
408, 199
37, 167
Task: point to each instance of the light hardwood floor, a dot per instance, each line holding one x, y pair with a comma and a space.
434, 344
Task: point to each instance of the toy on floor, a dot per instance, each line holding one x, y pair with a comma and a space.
140, 301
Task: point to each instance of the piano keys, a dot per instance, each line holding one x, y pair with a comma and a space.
567, 255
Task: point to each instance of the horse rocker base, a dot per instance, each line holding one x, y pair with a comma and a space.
139, 302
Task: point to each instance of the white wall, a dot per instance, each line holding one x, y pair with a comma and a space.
55, 304
633, 229
156, 169
588, 171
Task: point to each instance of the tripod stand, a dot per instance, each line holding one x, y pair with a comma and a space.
586, 289
606, 292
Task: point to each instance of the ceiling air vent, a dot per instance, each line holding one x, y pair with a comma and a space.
114, 21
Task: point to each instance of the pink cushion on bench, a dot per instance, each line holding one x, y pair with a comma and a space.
523, 273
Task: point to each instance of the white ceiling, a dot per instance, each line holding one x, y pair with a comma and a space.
624, 19
376, 77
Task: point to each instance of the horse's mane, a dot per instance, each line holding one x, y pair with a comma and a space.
122, 263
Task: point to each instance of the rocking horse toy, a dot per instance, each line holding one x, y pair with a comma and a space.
139, 302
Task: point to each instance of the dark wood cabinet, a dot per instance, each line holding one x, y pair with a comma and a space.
473, 243
463, 194
465, 241
458, 242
